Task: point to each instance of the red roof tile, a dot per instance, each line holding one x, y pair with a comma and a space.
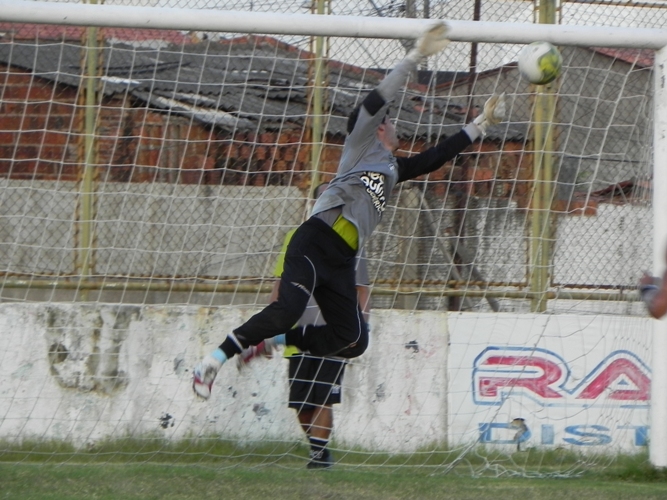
641, 57
17, 31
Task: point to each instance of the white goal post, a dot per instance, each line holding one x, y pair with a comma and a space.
303, 24
85, 15
658, 444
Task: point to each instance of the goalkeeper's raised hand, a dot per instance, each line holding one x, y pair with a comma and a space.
432, 41
494, 112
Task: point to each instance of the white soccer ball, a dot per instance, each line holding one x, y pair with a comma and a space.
540, 63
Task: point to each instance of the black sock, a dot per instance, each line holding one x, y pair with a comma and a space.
318, 448
230, 346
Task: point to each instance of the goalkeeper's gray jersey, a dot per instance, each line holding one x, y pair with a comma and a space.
367, 172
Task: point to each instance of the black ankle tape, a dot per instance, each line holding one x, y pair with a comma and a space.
230, 347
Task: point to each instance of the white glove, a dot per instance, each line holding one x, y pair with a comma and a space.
494, 112
431, 42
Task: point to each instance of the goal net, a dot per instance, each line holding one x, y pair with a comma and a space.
148, 179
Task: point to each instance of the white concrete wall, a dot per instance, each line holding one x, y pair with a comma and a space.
578, 381
147, 229
211, 231
85, 373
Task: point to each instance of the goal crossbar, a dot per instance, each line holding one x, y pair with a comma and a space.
331, 25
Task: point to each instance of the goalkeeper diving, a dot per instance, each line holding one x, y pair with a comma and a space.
320, 259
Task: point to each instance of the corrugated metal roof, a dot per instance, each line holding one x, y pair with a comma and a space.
253, 84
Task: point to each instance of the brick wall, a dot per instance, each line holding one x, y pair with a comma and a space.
41, 124
41, 134
36, 120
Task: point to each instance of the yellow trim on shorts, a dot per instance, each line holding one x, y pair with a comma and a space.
291, 350
347, 231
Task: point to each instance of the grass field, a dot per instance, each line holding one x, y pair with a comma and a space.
159, 481
142, 471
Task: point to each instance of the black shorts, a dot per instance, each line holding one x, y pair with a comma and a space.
314, 381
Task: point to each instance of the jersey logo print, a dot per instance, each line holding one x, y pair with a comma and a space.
374, 183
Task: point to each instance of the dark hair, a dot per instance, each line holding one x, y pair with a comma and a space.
354, 116
319, 189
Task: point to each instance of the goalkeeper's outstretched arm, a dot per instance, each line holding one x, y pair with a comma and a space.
433, 158
375, 104
436, 156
